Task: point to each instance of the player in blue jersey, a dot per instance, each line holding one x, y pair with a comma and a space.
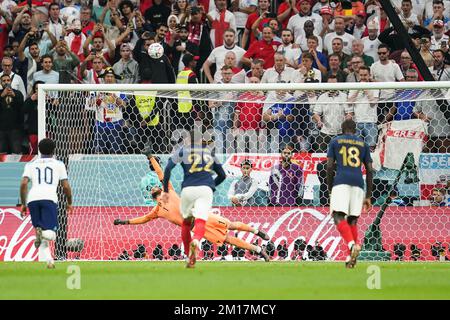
45, 173
347, 153
199, 164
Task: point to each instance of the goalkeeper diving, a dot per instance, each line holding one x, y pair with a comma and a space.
216, 227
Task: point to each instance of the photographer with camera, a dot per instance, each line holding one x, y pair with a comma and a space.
11, 115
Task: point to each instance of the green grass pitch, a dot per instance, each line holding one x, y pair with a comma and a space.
225, 280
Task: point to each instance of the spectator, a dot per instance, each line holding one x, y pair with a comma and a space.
279, 72
286, 48
99, 40
439, 13
320, 60
371, 41
286, 181
334, 62
286, 10
247, 120
438, 127
439, 39
16, 80
199, 34
241, 10
11, 116
87, 24
46, 75
406, 63
339, 32
92, 75
338, 45
273, 23
22, 24
186, 111
64, 62
158, 13
223, 113
220, 19
296, 22
405, 100
45, 44
181, 47
127, 68
355, 63
329, 112
238, 73
263, 49
306, 70
440, 69
359, 26
69, 10
109, 117
30, 113
365, 110
302, 39
28, 63
385, 70
256, 70
242, 191
56, 25
327, 19
218, 54
279, 113
407, 16
425, 52
75, 39
263, 14
358, 51
181, 10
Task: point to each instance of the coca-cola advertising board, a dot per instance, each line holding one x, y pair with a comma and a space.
422, 226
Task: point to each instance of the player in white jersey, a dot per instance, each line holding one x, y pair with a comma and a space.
45, 173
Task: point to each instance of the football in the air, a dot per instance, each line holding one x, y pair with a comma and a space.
155, 50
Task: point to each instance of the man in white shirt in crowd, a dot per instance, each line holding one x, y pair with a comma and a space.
217, 56
16, 80
339, 32
330, 110
238, 73
365, 110
220, 19
279, 72
291, 54
297, 21
439, 39
385, 70
371, 42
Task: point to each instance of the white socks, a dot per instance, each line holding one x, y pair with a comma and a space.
44, 249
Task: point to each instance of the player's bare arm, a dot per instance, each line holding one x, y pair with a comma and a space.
23, 195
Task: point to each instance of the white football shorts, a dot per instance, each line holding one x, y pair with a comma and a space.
196, 201
347, 199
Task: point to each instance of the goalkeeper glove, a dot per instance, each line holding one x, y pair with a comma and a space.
118, 221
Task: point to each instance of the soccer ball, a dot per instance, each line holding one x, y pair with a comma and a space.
155, 50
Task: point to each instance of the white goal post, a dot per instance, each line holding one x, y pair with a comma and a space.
108, 170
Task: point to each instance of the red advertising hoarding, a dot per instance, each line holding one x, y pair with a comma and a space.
422, 226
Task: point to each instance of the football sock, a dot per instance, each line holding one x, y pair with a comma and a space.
199, 229
244, 227
243, 244
186, 235
346, 233
49, 235
354, 229
44, 251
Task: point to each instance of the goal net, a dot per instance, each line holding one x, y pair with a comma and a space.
283, 131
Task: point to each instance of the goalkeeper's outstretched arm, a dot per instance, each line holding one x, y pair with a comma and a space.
159, 171
152, 215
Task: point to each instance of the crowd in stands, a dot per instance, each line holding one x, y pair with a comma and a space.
221, 41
